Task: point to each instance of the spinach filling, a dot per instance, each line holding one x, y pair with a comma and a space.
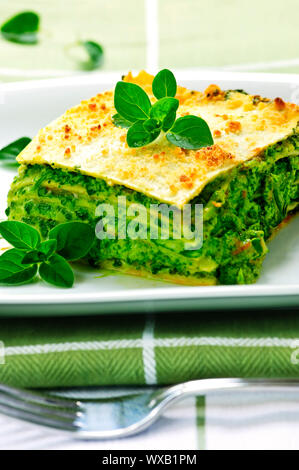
242, 207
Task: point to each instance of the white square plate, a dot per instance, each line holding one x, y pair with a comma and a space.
27, 106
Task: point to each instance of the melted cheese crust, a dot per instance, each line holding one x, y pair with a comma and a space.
84, 139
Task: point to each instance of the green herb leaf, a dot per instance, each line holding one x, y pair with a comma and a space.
20, 235
164, 84
12, 271
9, 153
190, 132
138, 136
45, 251
57, 271
33, 257
95, 53
164, 111
119, 121
21, 28
152, 125
48, 248
74, 239
131, 102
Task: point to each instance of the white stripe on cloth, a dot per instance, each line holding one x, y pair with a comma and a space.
73, 346
152, 35
266, 342
149, 361
263, 65
38, 73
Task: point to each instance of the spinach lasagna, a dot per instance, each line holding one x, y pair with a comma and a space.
247, 182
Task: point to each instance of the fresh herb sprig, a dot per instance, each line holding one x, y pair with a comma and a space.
95, 54
145, 121
21, 28
88, 55
9, 153
31, 256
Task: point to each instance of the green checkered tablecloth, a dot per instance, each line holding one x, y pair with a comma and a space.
160, 350
139, 350
260, 35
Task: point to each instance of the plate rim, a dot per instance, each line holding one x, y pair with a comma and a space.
155, 294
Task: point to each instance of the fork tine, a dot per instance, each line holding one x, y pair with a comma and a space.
40, 419
40, 398
36, 408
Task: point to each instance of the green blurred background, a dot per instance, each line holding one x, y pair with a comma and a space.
255, 35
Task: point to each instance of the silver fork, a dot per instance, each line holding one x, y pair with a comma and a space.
117, 414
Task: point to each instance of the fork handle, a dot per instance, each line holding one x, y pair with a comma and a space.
206, 386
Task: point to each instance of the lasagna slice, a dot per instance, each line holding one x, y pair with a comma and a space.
247, 182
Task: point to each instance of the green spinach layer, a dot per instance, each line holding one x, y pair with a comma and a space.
242, 207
